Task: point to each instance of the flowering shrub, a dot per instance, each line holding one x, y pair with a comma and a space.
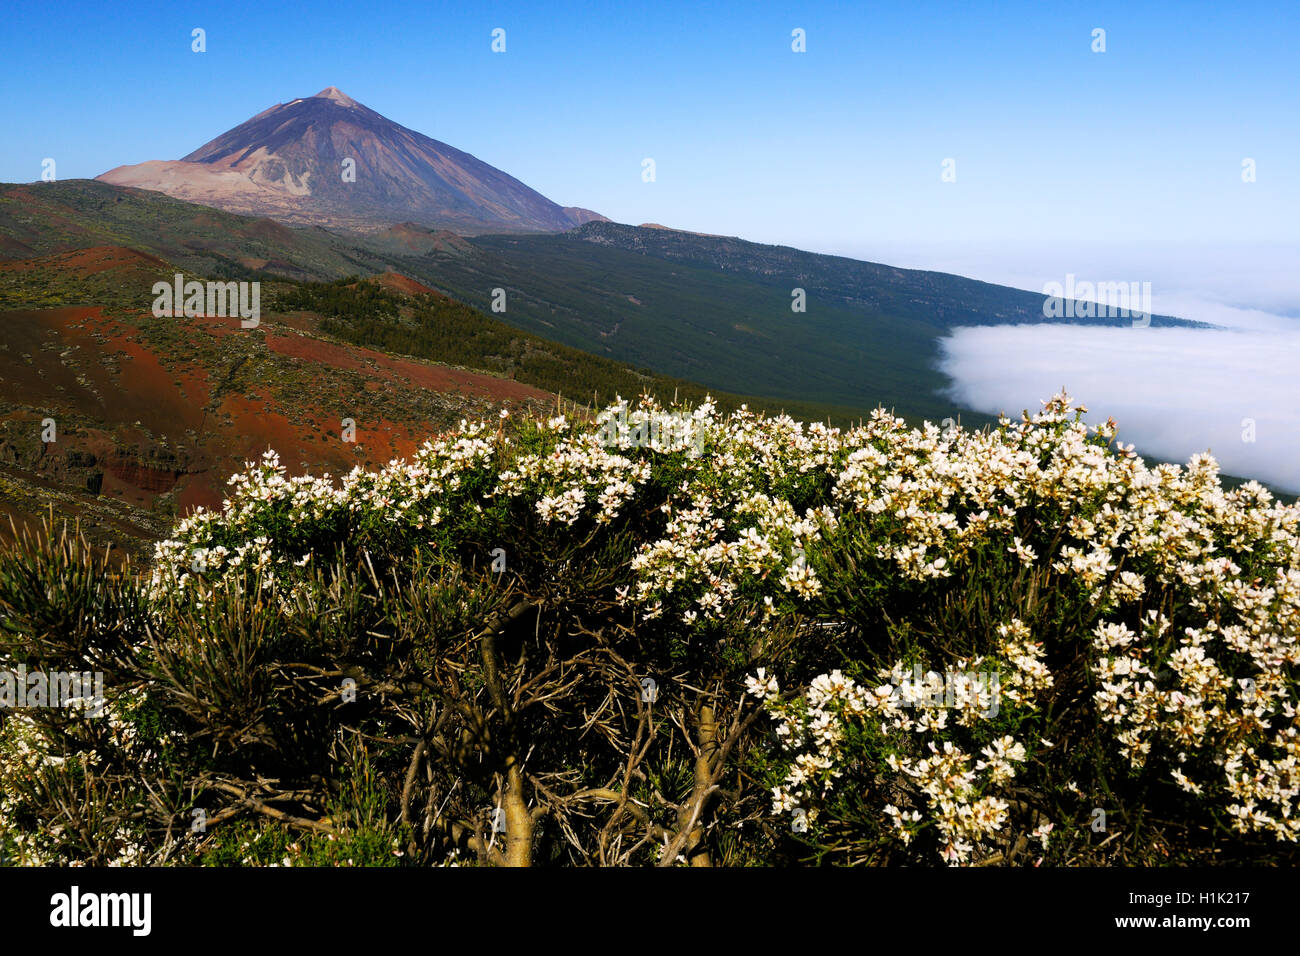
1106, 561
1120, 645
947, 752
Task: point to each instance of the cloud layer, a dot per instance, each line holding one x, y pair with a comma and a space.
1174, 392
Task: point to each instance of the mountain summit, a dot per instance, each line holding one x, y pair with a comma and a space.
337, 95
328, 160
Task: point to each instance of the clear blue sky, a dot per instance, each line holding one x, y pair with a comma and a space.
841, 144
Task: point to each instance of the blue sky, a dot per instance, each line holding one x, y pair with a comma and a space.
838, 146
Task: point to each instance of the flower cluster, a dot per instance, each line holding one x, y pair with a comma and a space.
575, 472
1232, 738
896, 725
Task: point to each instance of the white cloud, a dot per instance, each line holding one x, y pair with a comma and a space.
1174, 392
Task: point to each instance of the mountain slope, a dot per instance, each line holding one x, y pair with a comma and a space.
937, 299
151, 414
125, 420
708, 309
41, 218
328, 160
718, 310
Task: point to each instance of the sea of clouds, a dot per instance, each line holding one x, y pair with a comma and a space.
1174, 392
1233, 391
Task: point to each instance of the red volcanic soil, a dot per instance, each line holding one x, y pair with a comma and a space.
17, 523
154, 414
438, 378
12, 247
87, 262
143, 390
414, 238
397, 282
107, 395
419, 240
259, 429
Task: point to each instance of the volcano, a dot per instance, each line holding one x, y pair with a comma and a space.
327, 160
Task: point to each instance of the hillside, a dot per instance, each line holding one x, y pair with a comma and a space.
719, 310
710, 310
42, 218
152, 414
